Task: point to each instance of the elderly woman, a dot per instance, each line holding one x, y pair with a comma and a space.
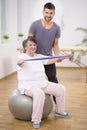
32, 81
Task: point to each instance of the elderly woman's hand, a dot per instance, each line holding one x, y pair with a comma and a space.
20, 62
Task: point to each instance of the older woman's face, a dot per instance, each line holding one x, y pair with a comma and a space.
31, 47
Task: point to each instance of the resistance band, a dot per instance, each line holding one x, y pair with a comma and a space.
49, 57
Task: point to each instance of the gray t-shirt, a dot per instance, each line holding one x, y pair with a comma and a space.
44, 37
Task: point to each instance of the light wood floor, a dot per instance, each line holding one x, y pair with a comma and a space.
76, 104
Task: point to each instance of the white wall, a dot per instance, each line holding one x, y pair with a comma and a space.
8, 52
74, 16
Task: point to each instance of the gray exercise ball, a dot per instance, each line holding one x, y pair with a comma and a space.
21, 106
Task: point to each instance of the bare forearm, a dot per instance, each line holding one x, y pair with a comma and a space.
56, 49
51, 61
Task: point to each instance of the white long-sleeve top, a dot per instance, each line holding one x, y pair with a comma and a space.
32, 74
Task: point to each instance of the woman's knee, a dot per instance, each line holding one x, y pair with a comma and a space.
63, 89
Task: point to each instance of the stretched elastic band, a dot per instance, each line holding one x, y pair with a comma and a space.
49, 57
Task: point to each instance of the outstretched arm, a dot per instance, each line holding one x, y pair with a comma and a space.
51, 61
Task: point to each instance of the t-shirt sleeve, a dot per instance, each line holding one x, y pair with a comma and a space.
32, 28
58, 32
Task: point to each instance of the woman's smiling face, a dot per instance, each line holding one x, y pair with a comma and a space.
31, 47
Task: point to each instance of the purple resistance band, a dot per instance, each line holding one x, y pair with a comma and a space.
49, 57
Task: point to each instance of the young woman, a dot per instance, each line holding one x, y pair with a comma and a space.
32, 82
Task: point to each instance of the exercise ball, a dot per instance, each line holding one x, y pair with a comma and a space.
21, 105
